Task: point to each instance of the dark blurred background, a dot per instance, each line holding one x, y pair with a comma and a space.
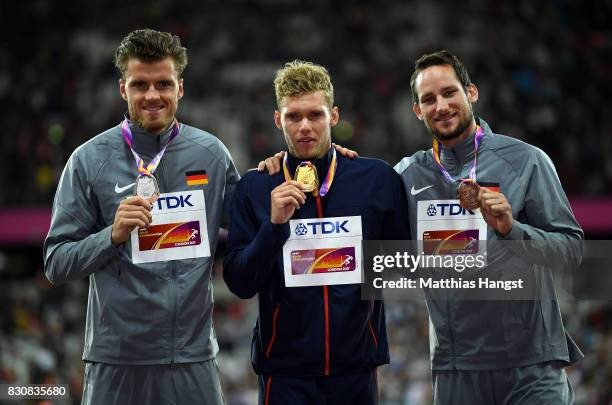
543, 68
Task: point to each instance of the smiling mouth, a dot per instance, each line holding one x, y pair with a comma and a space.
153, 109
446, 118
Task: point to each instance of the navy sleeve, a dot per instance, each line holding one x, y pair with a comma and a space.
253, 243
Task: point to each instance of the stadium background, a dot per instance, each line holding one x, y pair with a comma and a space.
543, 70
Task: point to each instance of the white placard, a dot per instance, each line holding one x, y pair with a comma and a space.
443, 224
323, 251
178, 231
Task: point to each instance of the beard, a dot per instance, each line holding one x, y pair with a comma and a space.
463, 124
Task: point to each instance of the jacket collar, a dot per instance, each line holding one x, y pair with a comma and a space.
459, 154
322, 164
146, 143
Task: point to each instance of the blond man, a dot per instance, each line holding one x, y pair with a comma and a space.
316, 341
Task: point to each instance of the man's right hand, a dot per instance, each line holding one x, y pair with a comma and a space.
132, 212
286, 198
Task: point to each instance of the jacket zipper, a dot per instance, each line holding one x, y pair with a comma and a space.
326, 303
173, 290
325, 299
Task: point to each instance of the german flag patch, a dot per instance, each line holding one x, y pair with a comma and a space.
196, 177
491, 186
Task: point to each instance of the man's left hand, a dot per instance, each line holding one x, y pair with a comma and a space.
496, 210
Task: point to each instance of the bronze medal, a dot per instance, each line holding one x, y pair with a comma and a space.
468, 195
307, 175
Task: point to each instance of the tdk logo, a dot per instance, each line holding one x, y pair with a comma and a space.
323, 227
171, 202
447, 209
301, 230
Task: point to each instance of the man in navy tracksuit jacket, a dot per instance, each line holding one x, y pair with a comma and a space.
314, 344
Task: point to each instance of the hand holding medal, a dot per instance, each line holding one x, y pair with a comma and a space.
132, 212
496, 210
289, 196
285, 199
135, 211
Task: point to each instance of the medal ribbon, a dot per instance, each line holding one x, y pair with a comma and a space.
129, 139
445, 173
329, 178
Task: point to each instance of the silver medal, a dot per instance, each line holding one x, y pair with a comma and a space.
146, 186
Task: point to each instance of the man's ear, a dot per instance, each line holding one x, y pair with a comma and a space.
277, 119
122, 89
335, 116
181, 90
416, 108
472, 93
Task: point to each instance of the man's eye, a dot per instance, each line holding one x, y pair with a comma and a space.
449, 93
316, 115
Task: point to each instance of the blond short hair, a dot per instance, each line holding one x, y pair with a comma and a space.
300, 77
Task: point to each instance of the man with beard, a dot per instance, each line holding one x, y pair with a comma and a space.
489, 351
137, 211
295, 241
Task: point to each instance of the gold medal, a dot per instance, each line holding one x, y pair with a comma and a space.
468, 195
306, 174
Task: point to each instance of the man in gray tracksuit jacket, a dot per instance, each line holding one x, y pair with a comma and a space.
149, 336
492, 351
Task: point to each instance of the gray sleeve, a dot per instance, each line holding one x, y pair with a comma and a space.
231, 181
73, 248
547, 226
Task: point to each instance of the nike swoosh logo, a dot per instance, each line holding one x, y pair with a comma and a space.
414, 191
120, 190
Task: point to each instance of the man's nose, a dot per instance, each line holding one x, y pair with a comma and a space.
152, 93
305, 125
441, 104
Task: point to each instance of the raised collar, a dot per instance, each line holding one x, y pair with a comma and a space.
463, 152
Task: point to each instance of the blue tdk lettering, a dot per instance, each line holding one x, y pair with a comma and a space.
453, 209
174, 202
328, 227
